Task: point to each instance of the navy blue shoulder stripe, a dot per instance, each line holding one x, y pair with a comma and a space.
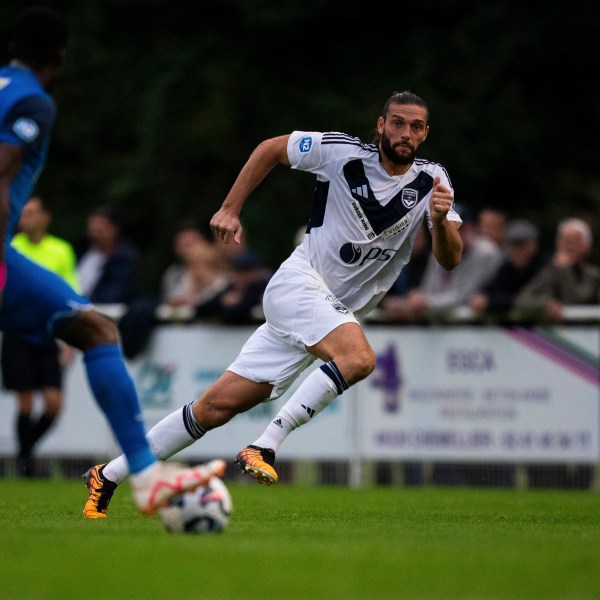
423, 161
344, 139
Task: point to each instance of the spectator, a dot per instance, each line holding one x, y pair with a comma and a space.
567, 279
205, 278
241, 302
30, 368
185, 238
108, 264
491, 223
441, 290
206, 275
523, 260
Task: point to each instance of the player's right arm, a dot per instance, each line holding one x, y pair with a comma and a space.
11, 159
226, 221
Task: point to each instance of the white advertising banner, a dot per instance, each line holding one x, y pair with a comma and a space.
438, 393
482, 394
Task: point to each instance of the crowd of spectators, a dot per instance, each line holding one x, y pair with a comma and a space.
506, 274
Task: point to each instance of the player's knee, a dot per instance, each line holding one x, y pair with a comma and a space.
212, 411
88, 329
359, 364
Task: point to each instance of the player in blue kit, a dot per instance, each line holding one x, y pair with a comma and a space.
36, 303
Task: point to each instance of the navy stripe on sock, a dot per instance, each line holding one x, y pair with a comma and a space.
192, 426
331, 370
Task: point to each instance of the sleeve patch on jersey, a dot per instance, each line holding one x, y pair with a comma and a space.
26, 129
305, 144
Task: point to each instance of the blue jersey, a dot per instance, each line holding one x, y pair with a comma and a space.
27, 115
35, 301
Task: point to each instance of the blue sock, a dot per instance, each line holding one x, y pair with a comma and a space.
115, 393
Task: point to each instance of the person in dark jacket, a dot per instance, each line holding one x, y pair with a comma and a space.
107, 267
523, 261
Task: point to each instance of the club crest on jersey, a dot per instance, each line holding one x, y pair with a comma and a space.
305, 144
409, 197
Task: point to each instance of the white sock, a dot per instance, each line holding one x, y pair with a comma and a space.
315, 393
174, 433
142, 477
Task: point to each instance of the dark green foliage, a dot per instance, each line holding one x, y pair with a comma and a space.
162, 102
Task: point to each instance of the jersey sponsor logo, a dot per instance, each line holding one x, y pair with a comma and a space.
396, 228
363, 221
351, 253
26, 129
4, 81
409, 197
305, 144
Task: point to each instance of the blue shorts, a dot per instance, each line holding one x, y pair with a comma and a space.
35, 299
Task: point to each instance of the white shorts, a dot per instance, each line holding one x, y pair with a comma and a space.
300, 311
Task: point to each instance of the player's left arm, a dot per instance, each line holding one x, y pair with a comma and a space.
446, 242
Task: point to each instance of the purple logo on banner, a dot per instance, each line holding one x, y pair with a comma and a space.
387, 376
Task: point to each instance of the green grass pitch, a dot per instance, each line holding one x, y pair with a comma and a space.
288, 542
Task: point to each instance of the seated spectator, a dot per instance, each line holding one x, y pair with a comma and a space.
491, 223
567, 279
206, 275
237, 304
441, 290
205, 278
107, 263
523, 260
185, 238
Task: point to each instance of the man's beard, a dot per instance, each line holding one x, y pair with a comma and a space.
391, 154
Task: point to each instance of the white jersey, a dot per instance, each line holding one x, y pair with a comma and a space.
363, 222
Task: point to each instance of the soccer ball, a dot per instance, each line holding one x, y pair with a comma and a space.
205, 510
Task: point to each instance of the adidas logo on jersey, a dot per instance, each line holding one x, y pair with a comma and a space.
362, 191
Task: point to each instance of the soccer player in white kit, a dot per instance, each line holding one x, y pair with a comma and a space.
369, 203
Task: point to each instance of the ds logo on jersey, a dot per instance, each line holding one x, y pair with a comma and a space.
305, 144
351, 253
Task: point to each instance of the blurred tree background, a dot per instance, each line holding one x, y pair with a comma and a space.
162, 102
